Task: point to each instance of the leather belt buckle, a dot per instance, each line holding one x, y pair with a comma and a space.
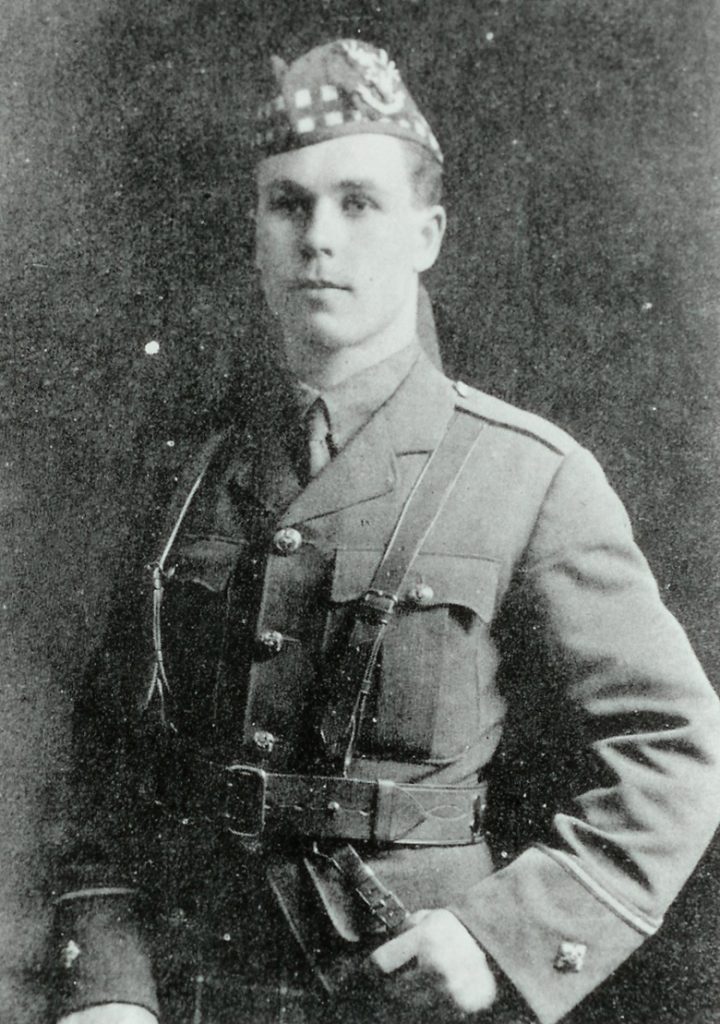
378, 605
243, 812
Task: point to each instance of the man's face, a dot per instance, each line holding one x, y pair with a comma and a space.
341, 239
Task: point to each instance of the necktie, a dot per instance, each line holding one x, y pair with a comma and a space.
318, 441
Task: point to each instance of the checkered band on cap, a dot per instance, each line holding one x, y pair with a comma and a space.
343, 88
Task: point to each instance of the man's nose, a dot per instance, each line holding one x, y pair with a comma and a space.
321, 229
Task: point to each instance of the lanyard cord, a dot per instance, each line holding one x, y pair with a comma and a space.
159, 683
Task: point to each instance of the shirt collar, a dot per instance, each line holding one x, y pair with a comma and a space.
352, 402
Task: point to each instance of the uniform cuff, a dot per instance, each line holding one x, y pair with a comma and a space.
100, 954
547, 932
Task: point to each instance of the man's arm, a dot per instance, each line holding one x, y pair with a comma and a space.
99, 953
617, 702
639, 731
100, 956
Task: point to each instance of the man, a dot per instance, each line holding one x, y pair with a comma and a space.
489, 757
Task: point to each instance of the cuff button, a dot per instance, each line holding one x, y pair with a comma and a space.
570, 957
264, 741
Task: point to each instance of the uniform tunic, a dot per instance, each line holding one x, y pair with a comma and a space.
531, 651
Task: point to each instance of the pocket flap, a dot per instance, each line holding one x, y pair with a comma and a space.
208, 561
467, 581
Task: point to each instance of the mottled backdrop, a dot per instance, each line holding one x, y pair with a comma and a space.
580, 279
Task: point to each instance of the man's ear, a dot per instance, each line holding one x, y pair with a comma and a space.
431, 229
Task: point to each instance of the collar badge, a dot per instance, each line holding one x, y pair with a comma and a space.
69, 953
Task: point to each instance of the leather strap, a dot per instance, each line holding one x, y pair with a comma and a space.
342, 719
386, 911
252, 803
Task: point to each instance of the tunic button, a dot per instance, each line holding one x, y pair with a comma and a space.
264, 740
421, 594
287, 541
271, 640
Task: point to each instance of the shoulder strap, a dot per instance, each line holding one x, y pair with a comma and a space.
342, 719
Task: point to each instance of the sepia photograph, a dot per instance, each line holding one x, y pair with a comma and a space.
360, 409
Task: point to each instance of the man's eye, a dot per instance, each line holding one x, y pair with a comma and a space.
286, 204
358, 203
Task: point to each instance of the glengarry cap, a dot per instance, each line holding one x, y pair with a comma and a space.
346, 87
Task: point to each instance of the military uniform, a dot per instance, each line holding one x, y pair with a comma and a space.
532, 745
531, 651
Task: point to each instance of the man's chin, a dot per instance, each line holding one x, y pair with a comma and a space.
321, 330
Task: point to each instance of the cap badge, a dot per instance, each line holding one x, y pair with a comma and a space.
384, 91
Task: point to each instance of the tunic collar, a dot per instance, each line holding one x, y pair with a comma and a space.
352, 403
412, 418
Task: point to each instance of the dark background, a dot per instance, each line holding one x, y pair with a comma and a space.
579, 279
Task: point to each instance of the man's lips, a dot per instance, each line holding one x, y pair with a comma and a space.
317, 284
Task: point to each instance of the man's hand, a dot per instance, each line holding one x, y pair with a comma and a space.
111, 1013
445, 953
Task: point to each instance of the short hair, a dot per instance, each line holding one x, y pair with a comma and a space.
425, 174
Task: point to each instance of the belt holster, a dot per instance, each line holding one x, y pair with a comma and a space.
336, 914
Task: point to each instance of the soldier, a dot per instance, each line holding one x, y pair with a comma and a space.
418, 733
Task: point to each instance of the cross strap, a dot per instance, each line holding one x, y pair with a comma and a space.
342, 719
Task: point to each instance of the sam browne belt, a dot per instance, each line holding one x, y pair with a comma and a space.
252, 803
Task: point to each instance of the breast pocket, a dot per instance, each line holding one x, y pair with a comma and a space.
193, 621
436, 660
